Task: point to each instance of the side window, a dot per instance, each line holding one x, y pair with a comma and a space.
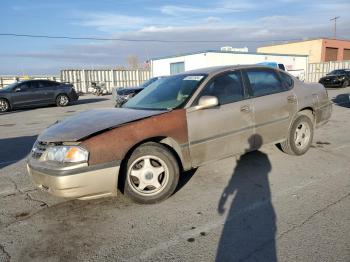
264, 82
287, 80
51, 83
227, 88
34, 85
24, 87
281, 66
43, 84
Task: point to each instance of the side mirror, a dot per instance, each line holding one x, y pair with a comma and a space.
207, 102
17, 89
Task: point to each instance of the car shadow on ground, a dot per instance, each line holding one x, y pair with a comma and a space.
74, 103
342, 100
89, 100
250, 226
15, 149
184, 178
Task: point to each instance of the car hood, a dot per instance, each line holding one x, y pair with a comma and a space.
90, 122
332, 76
129, 90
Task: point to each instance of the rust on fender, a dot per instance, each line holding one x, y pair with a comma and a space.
114, 144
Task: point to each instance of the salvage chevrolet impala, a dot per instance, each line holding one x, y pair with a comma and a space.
179, 123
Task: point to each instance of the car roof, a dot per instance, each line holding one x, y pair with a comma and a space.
218, 69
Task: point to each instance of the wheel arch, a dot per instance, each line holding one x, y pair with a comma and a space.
61, 93
308, 111
166, 141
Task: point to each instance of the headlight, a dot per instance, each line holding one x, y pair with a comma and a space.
67, 154
342, 78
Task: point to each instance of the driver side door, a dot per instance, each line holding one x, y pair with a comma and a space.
23, 95
226, 129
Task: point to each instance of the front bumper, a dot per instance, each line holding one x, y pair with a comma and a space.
332, 83
81, 182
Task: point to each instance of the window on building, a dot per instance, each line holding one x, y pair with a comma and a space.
176, 68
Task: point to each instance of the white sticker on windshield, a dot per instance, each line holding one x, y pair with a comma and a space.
193, 78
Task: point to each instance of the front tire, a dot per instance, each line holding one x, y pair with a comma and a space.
62, 100
300, 136
4, 105
152, 174
345, 83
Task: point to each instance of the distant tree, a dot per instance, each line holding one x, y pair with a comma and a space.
133, 62
120, 67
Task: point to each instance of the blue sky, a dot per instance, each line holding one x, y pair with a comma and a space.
244, 21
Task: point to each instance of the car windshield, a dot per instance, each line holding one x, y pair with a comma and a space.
10, 86
148, 82
166, 93
336, 72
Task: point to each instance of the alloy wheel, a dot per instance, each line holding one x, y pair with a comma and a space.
302, 135
4, 106
148, 175
63, 100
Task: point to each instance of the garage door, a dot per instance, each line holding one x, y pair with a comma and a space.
346, 55
331, 54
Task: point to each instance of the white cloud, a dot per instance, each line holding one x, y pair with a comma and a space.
226, 7
226, 20
111, 22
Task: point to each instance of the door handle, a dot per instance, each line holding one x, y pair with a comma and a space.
292, 99
245, 109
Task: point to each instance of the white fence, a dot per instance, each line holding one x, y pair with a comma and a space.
318, 70
6, 80
81, 79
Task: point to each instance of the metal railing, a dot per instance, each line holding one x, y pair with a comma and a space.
82, 79
318, 70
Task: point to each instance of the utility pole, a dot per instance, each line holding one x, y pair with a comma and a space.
335, 25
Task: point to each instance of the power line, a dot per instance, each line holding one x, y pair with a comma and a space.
142, 40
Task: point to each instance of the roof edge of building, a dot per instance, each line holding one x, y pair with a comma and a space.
224, 52
306, 40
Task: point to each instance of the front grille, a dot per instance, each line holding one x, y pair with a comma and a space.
38, 149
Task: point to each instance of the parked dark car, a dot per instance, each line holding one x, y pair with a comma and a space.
36, 93
336, 78
122, 95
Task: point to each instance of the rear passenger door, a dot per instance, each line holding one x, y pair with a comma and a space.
49, 88
224, 130
40, 93
274, 103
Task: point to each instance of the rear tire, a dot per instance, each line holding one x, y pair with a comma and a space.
151, 174
62, 100
4, 105
300, 136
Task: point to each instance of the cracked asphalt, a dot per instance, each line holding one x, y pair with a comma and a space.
262, 206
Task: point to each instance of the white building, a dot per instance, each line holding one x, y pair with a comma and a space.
176, 64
